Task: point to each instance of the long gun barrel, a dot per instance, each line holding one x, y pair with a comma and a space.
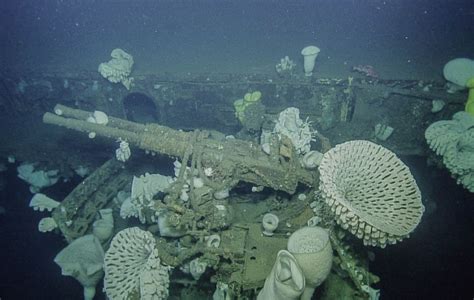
234, 158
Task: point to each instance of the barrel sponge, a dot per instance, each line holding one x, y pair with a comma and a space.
371, 192
133, 269
454, 141
312, 249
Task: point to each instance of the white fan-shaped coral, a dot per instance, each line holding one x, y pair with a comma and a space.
133, 268
371, 192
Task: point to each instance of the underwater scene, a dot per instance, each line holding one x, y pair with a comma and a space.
225, 150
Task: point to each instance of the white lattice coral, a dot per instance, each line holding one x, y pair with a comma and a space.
133, 268
454, 141
371, 192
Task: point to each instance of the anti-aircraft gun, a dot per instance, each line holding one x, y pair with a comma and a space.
220, 163
361, 185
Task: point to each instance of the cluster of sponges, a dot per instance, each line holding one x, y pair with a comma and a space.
241, 105
454, 141
371, 192
133, 269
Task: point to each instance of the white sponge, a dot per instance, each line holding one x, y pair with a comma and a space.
118, 69
83, 259
459, 71
42, 202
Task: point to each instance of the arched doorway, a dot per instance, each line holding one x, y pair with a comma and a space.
140, 108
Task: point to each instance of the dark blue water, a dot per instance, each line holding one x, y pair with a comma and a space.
402, 39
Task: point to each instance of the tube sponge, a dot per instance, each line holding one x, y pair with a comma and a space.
286, 280
104, 227
313, 252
